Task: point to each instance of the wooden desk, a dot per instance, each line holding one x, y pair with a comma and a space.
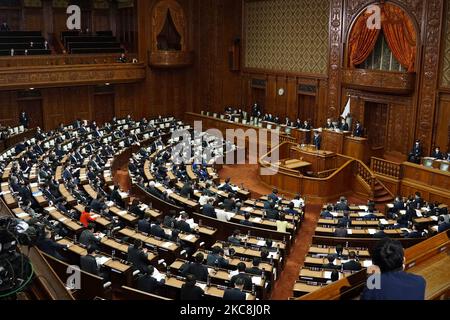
333, 141
296, 164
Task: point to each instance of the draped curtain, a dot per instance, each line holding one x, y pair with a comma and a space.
398, 30
362, 41
160, 16
400, 35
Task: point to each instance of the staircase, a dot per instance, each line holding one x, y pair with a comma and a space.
381, 194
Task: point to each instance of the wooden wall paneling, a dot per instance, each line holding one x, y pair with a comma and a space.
13, 16
33, 19
442, 124
101, 20
9, 111
291, 99
103, 107
281, 101
59, 21
271, 95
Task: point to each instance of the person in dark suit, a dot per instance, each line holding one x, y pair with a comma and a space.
273, 197
236, 293
24, 119
317, 140
88, 239
418, 200
88, 263
51, 247
98, 204
186, 190
189, 291
414, 233
330, 264
135, 209
4, 27
342, 205
246, 221
341, 231
235, 237
146, 282
343, 126
116, 198
137, 256
345, 220
394, 282
358, 131
216, 258
182, 225
196, 268
157, 231
241, 267
416, 153
326, 214
208, 209
169, 220
437, 154
227, 186
229, 203
145, 226
329, 125
352, 264
255, 267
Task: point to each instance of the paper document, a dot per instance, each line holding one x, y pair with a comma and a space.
256, 281
102, 260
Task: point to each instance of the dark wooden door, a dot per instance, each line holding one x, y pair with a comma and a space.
259, 96
33, 108
375, 123
307, 108
103, 108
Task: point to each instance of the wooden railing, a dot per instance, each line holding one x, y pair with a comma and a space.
362, 171
386, 168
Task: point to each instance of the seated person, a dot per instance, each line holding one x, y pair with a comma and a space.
138, 256
334, 277
343, 126
298, 201
326, 214
235, 238
342, 205
216, 258
290, 209
246, 221
352, 264
189, 291
88, 263
157, 231
282, 224
437, 154
88, 238
255, 267
358, 131
208, 209
442, 224
236, 293
330, 264
242, 275
197, 269
146, 282
341, 231
394, 283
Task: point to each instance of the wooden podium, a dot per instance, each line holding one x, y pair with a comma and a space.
357, 148
320, 160
334, 141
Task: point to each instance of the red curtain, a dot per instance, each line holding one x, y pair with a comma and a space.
398, 30
362, 40
400, 35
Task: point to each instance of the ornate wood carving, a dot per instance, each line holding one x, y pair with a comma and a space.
336, 14
59, 76
379, 81
430, 73
171, 59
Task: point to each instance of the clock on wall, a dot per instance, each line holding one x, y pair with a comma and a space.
280, 91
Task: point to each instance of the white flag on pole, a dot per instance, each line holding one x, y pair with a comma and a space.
347, 109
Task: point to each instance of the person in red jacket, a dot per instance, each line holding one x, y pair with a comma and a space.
86, 217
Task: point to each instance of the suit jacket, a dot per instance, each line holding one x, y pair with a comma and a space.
208, 210
215, 260
341, 206
254, 270
317, 141
245, 277
191, 293
147, 283
183, 226
229, 205
234, 294
437, 155
397, 286
157, 231
358, 132
137, 257
352, 265
89, 264
340, 232
145, 226
87, 238
197, 269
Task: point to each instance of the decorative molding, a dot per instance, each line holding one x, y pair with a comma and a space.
171, 59
336, 16
430, 73
60, 76
379, 81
